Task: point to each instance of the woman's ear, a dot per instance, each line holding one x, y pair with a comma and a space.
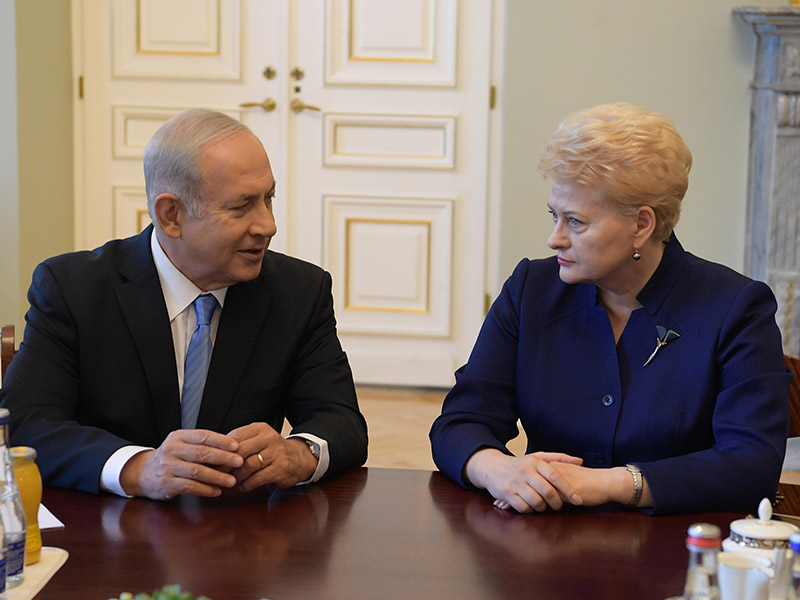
167, 208
645, 225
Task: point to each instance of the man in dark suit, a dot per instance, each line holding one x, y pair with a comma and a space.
98, 384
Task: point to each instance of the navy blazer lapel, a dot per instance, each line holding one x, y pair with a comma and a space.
240, 325
145, 311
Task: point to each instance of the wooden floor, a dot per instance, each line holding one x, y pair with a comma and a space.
399, 420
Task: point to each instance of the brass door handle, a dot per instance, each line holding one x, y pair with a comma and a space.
298, 105
268, 105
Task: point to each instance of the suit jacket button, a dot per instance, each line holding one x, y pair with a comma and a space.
608, 400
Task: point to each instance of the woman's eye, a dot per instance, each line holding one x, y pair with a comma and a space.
574, 222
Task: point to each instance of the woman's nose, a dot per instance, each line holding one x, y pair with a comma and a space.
557, 239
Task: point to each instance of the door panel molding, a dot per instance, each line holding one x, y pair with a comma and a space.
392, 141
384, 42
390, 259
172, 39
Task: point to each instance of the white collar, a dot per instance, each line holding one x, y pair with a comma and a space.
179, 291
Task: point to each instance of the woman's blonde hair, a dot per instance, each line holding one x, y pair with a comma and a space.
633, 156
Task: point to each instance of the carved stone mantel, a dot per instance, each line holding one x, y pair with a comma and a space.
772, 247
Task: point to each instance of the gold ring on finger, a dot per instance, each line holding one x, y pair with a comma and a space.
260, 459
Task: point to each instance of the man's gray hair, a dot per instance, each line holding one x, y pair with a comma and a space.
172, 156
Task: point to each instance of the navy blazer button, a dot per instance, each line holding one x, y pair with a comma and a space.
608, 400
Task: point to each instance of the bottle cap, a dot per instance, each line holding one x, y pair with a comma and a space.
20, 453
794, 540
704, 535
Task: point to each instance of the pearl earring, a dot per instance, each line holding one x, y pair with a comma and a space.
636, 255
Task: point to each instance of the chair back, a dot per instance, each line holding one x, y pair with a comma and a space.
788, 500
8, 348
793, 364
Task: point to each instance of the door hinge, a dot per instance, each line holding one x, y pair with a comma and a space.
80, 86
492, 97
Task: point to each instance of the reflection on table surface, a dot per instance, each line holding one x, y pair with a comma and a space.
370, 533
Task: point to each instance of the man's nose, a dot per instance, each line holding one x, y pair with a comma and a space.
263, 221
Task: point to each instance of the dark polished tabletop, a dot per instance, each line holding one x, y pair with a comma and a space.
370, 533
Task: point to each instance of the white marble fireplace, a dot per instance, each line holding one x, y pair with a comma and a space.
773, 196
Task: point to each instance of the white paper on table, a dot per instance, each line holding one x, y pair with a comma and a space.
48, 520
792, 460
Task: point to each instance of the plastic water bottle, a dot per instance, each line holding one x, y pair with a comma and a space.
2, 566
12, 514
794, 542
703, 542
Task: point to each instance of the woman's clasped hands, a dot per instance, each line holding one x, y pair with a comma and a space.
542, 480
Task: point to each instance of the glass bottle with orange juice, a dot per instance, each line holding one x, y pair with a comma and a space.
29, 481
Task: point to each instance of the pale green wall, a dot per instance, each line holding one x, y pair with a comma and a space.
44, 122
9, 180
690, 59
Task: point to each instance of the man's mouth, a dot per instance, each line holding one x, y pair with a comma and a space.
254, 252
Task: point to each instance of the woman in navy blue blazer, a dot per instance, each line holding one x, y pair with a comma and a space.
641, 374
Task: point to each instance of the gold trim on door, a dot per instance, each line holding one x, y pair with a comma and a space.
139, 49
348, 305
352, 56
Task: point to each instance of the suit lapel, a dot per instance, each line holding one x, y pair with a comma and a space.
241, 324
142, 303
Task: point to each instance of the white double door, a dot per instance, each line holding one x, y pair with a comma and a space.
375, 116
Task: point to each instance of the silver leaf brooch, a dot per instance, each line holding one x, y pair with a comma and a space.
665, 336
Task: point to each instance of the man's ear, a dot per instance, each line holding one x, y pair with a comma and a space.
645, 225
168, 210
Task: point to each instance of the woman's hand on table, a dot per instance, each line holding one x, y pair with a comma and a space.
526, 483
599, 486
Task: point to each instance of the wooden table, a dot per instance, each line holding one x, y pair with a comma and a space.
370, 533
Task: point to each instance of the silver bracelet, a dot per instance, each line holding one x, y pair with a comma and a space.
638, 485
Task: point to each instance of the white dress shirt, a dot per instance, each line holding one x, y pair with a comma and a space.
179, 296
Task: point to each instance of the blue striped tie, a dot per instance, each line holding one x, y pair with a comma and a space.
198, 358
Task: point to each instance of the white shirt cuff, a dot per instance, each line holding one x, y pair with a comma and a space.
324, 456
109, 476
